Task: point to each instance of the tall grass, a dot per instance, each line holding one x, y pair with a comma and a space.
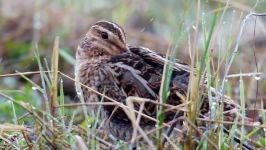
54, 127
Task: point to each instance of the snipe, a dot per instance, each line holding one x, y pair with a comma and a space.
107, 64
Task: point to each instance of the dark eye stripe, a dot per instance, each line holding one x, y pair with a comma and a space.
112, 28
111, 42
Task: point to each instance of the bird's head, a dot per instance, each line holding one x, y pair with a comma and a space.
104, 38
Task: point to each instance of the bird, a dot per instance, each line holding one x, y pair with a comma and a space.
107, 64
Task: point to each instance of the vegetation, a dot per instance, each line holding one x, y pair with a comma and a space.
224, 40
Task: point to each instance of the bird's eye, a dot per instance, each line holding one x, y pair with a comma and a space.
104, 35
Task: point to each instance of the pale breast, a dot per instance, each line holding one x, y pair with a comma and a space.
90, 75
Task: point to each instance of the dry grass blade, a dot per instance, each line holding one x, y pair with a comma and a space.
29, 110
167, 73
39, 72
245, 74
167, 138
182, 107
255, 124
169, 124
23, 73
135, 121
9, 142
105, 143
45, 125
112, 100
204, 136
31, 82
54, 75
11, 127
87, 104
81, 145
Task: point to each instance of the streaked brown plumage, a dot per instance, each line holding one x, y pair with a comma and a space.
107, 64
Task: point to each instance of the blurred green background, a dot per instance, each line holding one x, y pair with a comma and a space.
25, 25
